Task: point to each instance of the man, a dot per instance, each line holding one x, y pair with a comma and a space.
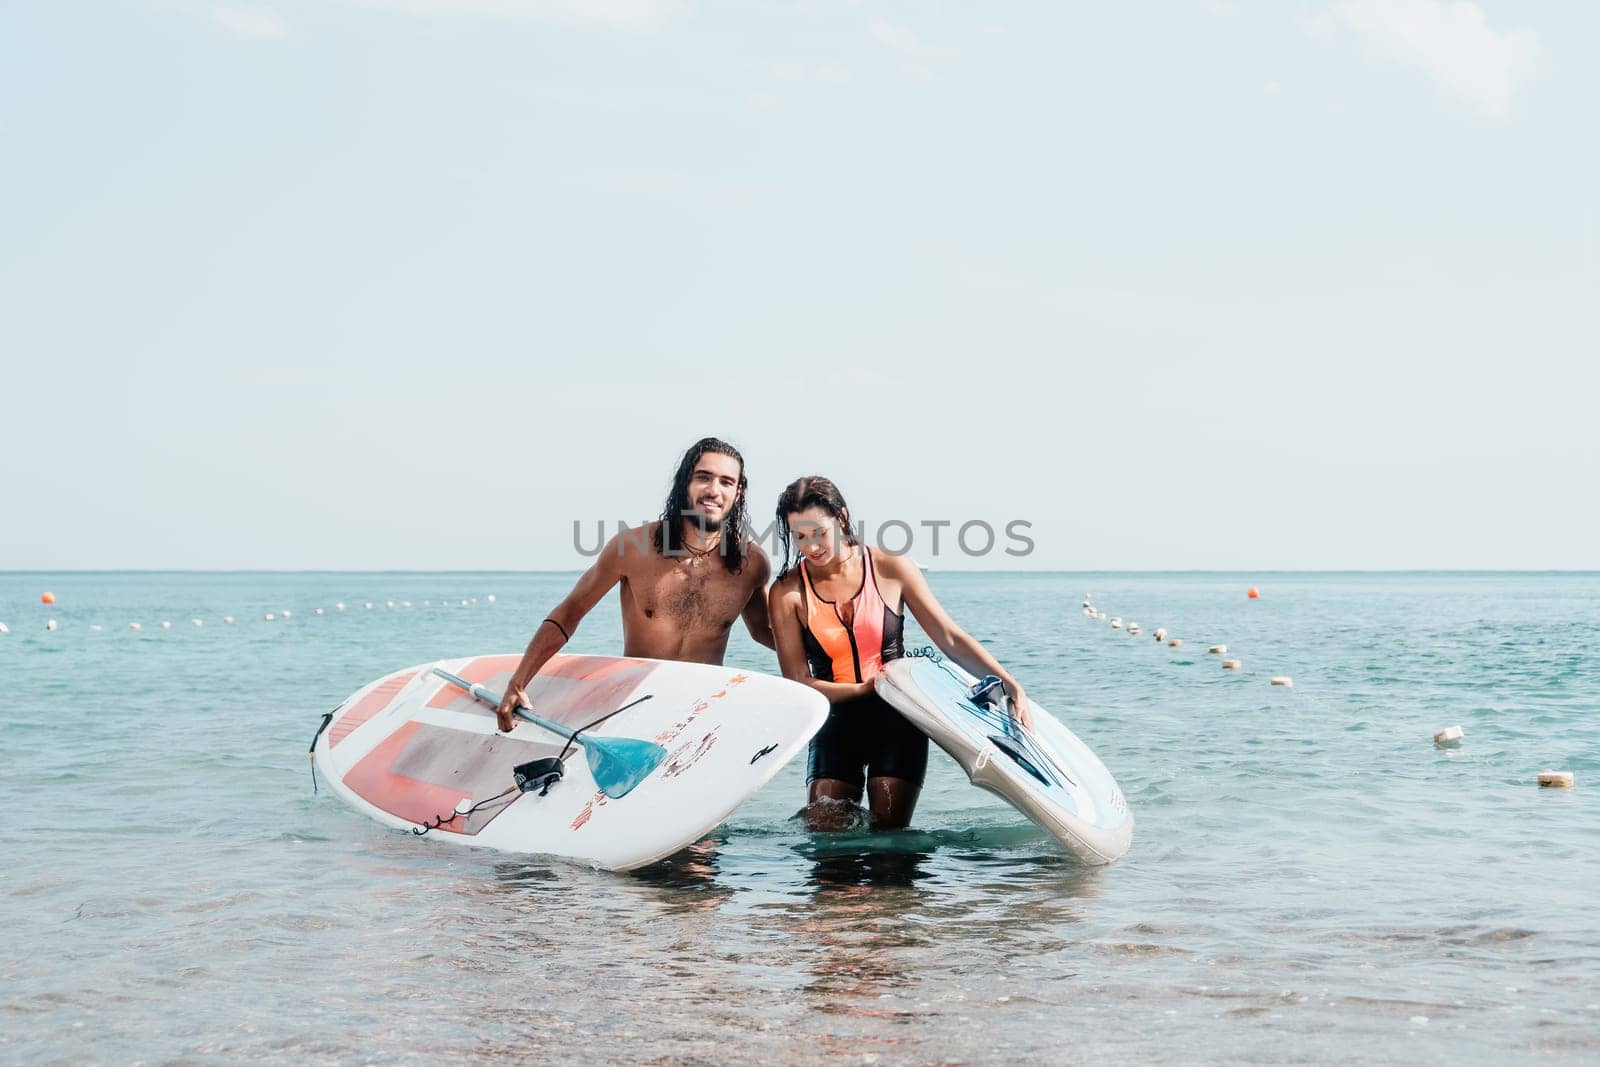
685, 577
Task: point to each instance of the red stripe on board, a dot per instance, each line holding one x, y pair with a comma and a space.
569, 689
368, 706
480, 671
410, 799
587, 668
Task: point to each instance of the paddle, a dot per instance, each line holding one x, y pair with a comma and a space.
617, 763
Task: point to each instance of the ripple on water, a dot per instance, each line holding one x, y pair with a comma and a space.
1308, 876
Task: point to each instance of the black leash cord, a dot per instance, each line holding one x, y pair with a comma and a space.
440, 820
311, 753
632, 703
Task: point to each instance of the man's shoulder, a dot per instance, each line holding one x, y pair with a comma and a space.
634, 544
756, 557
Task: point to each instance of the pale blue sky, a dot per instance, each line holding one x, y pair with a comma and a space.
416, 283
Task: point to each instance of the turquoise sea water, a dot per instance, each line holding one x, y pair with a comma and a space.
1311, 879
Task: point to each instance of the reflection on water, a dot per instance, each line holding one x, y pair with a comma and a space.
845, 870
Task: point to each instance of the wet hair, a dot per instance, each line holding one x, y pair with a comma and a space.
735, 523
802, 494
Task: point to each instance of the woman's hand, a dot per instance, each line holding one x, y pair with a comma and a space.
505, 714
1019, 705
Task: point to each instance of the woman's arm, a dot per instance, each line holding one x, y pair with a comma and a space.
951, 639
783, 606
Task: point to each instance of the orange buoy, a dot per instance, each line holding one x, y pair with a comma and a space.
1254, 593
47, 598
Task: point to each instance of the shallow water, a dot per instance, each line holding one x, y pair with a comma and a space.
1310, 878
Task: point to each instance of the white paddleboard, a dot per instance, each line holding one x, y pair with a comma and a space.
1046, 773
412, 749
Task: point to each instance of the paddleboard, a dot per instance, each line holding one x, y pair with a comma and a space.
1046, 773
412, 750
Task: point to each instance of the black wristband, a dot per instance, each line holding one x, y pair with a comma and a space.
564, 635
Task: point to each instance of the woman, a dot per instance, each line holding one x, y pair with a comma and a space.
837, 612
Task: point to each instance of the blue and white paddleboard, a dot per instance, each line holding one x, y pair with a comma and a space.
1046, 773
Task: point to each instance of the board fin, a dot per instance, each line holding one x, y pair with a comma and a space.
1014, 750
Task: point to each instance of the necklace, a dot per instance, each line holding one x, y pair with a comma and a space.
698, 554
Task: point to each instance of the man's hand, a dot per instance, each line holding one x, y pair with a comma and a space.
505, 714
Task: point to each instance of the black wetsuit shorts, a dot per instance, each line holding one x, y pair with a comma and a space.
866, 738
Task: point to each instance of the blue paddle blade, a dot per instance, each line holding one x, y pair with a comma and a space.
620, 763
617, 763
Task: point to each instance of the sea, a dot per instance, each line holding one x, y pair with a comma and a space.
1311, 880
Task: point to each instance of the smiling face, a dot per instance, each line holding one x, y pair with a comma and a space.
817, 535
713, 489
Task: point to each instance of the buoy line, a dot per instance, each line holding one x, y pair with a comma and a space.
1449, 739
55, 625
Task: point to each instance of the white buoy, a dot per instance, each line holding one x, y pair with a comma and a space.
1161, 635
405, 603
1176, 642
1232, 664
134, 626
463, 603
317, 611
389, 604
1284, 680
228, 619
165, 625
51, 625
1217, 650
369, 605
490, 598
1116, 624
1450, 735
95, 627
286, 613
474, 600
339, 606
269, 617
198, 622
427, 603
1556, 779
4, 629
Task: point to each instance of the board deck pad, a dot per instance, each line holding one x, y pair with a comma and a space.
408, 748
1047, 773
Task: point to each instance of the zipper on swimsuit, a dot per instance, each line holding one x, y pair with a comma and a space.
855, 654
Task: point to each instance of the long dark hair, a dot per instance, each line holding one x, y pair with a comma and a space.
735, 523
812, 491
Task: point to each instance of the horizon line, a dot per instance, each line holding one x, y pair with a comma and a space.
941, 570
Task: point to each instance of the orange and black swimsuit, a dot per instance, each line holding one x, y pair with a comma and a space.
853, 651
863, 737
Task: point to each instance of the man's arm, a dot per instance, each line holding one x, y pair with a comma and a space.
756, 618
559, 626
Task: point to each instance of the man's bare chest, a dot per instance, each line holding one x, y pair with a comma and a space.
703, 594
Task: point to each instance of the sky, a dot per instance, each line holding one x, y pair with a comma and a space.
420, 284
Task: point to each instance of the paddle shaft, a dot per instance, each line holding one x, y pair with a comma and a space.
491, 698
